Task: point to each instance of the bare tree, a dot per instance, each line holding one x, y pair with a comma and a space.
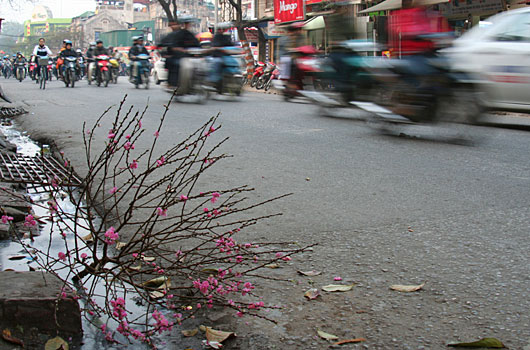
170, 8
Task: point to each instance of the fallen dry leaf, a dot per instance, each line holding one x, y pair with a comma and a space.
272, 266
326, 336
155, 282
210, 271
214, 335
56, 343
157, 294
6, 335
88, 238
148, 258
190, 333
135, 268
349, 341
17, 257
202, 328
337, 287
120, 245
312, 294
406, 289
310, 273
212, 344
482, 343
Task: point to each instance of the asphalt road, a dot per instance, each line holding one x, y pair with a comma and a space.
384, 210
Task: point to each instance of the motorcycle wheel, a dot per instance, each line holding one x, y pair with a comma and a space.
106, 77
253, 80
461, 105
71, 77
146, 79
260, 84
268, 85
42, 79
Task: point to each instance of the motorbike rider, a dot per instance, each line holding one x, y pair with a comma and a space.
221, 39
177, 42
99, 50
90, 58
59, 59
292, 40
80, 59
20, 59
137, 48
41, 50
67, 52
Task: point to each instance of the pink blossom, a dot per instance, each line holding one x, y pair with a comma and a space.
111, 135
140, 123
135, 255
134, 164
239, 259
113, 190
205, 210
84, 256
128, 146
128, 137
111, 236
30, 221
161, 212
66, 163
287, 258
183, 198
6, 218
278, 255
199, 305
62, 256
239, 314
156, 133
160, 161
215, 196
338, 278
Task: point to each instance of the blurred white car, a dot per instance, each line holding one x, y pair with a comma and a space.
159, 71
498, 53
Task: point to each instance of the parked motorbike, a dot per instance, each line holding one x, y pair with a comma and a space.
103, 70
258, 72
20, 71
266, 76
141, 70
69, 71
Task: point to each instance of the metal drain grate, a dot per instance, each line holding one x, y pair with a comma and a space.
35, 170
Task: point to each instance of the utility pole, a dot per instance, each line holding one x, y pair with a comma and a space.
216, 16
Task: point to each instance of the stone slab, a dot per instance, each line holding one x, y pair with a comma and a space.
30, 300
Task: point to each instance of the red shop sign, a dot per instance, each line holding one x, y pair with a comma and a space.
288, 11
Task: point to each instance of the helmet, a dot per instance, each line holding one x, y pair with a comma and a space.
99, 41
67, 42
225, 25
186, 19
78, 50
93, 43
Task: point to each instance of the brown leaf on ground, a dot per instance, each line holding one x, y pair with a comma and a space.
272, 266
312, 294
337, 287
491, 343
214, 335
326, 336
310, 273
349, 341
6, 335
190, 333
88, 238
56, 343
407, 289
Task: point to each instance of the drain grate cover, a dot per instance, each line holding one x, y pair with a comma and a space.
35, 170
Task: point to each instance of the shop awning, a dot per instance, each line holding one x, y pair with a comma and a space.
315, 23
397, 4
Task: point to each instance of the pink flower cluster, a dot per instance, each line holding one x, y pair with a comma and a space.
160, 161
134, 165
226, 245
30, 221
128, 146
210, 131
161, 212
111, 236
161, 322
215, 197
6, 219
118, 308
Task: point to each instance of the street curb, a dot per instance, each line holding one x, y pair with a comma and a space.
522, 127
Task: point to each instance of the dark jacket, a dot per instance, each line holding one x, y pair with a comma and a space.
183, 39
100, 51
68, 53
137, 50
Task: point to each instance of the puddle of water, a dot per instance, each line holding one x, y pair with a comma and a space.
14, 256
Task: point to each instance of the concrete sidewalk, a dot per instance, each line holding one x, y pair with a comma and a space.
517, 121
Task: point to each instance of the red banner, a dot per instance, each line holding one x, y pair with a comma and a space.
288, 11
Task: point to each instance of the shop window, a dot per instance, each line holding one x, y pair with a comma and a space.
269, 4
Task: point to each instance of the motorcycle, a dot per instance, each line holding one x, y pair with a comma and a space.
32, 71
114, 70
304, 67
20, 71
8, 70
141, 70
102, 70
69, 71
267, 75
274, 76
50, 70
225, 72
81, 71
192, 76
258, 72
